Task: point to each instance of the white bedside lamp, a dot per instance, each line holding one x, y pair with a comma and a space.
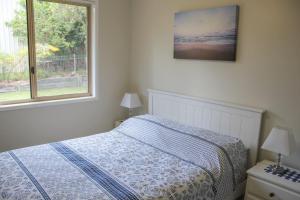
278, 142
131, 100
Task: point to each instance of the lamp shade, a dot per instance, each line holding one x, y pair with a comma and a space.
278, 142
131, 100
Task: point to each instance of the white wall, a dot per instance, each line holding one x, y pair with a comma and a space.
22, 128
265, 75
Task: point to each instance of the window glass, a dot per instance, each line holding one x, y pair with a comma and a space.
14, 67
61, 35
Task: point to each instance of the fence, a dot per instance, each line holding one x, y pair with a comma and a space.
50, 83
69, 63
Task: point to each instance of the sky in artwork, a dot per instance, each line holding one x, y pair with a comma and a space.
205, 21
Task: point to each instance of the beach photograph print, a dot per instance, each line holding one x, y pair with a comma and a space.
206, 34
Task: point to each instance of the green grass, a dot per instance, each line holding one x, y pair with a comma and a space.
14, 96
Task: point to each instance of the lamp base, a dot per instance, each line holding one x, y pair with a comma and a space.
276, 169
130, 113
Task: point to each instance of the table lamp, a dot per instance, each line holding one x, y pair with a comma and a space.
278, 142
131, 101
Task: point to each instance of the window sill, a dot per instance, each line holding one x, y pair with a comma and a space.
46, 103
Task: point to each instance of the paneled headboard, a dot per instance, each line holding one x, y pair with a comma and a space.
228, 119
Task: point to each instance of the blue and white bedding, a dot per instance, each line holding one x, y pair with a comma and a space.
146, 157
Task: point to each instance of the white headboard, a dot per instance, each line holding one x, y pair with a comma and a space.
228, 119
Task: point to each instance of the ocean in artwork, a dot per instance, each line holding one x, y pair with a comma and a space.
206, 34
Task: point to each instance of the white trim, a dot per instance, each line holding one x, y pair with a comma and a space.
246, 108
39, 104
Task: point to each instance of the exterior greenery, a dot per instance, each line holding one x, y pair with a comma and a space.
54, 37
60, 43
51, 27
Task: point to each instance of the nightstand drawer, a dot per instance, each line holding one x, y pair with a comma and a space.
269, 191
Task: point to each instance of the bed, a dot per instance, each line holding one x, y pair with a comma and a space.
166, 154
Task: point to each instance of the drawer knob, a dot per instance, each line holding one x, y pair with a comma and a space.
271, 194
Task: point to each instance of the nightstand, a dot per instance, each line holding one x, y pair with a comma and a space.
118, 122
265, 186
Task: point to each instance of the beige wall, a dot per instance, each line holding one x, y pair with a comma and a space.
265, 75
26, 127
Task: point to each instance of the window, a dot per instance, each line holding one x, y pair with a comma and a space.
45, 50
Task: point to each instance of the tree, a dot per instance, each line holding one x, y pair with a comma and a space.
5, 64
8, 62
59, 25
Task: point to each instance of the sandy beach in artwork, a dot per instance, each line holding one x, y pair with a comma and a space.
224, 52
206, 34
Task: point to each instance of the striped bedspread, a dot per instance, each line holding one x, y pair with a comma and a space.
146, 157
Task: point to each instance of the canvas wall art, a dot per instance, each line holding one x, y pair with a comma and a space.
206, 34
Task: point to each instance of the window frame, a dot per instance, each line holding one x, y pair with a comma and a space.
32, 56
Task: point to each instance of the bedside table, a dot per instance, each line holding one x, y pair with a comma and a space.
265, 186
118, 122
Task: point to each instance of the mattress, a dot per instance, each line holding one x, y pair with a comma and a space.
146, 157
